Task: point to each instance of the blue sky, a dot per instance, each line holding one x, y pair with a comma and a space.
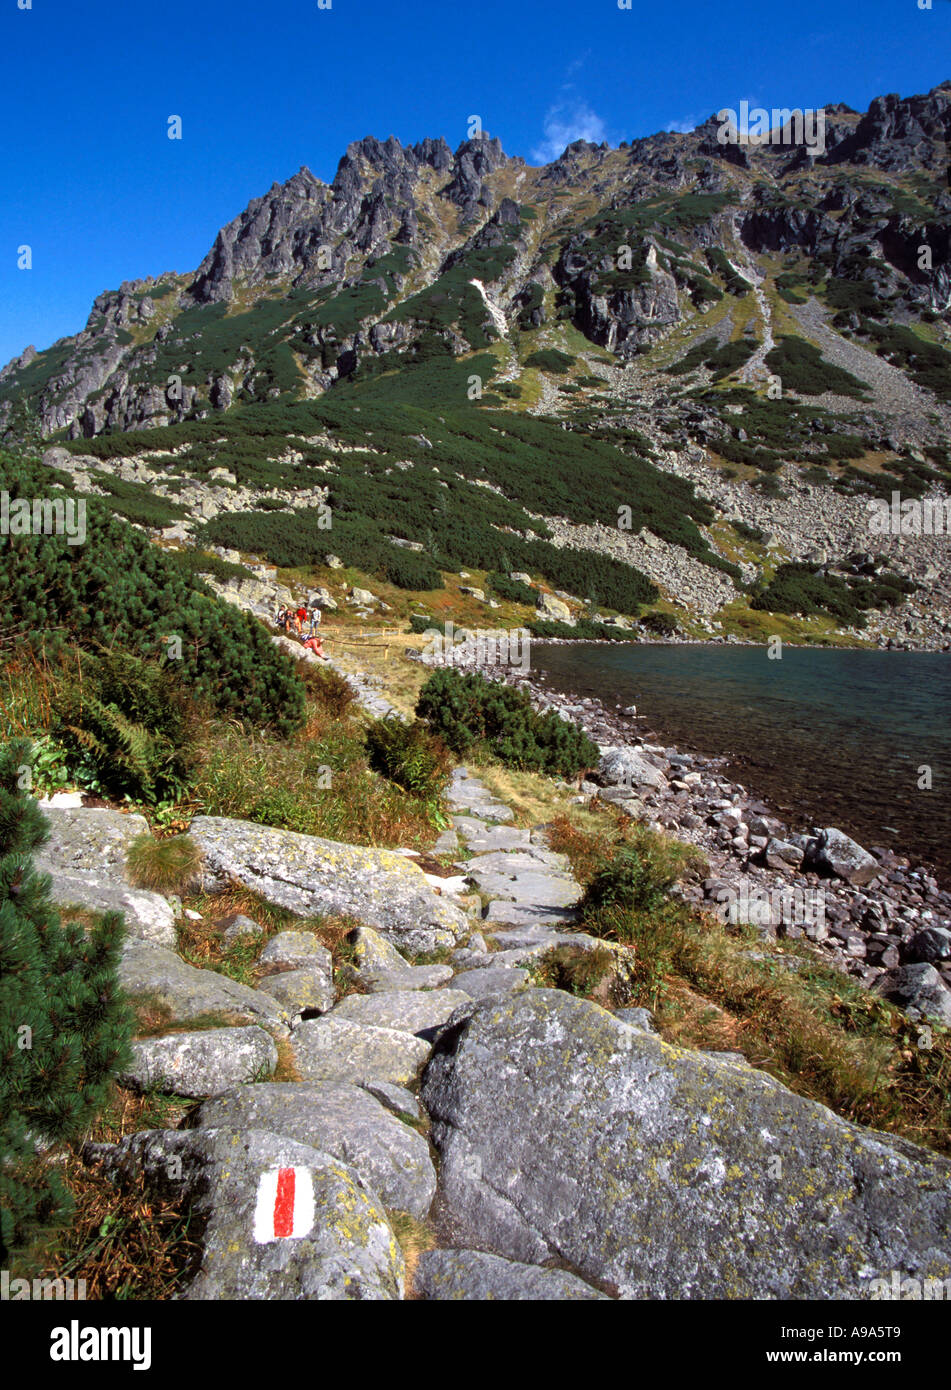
94, 186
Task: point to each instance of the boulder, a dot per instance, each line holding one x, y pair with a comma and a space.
628, 767
781, 854
408, 1011
201, 1064
241, 928
465, 1275
148, 916
335, 1049
489, 980
833, 852
300, 991
413, 977
89, 840
297, 949
362, 597
553, 610
382, 968
919, 990
154, 974
663, 1172
342, 1120
344, 1249
85, 857
637, 1018
315, 877
930, 944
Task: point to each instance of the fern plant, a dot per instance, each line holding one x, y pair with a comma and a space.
409, 755
131, 724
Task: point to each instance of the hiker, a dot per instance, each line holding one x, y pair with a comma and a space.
299, 617
315, 616
282, 619
314, 644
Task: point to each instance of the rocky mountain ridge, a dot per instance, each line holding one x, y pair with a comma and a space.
398, 220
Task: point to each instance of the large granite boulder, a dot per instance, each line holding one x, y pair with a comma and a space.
552, 609
147, 915
340, 1244
334, 1049
201, 1064
154, 975
420, 1012
85, 857
88, 840
919, 990
835, 853
662, 1172
315, 877
629, 767
382, 968
342, 1120
471, 1275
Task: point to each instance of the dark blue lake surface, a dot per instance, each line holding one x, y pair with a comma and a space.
831, 737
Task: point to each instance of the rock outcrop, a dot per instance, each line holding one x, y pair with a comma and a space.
665, 1173
314, 877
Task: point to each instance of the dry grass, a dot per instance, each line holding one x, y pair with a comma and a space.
168, 865
123, 1244
286, 1069
533, 797
202, 943
415, 1238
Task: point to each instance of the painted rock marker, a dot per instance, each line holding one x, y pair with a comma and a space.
285, 1205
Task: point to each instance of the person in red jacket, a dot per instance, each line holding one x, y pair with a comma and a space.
299, 617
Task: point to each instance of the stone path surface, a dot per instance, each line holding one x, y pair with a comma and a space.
352, 1115
532, 889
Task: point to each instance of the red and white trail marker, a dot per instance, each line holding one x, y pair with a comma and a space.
285, 1205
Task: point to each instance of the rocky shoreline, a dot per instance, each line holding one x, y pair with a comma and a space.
872, 914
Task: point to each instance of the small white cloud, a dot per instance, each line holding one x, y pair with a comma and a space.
564, 123
686, 126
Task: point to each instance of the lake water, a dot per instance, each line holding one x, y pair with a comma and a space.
830, 737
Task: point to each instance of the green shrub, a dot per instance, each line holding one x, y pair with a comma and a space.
409, 755
62, 986
803, 588
514, 590
115, 590
804, 370
663, 624
468, 711
584, 630
634, 879
550, 360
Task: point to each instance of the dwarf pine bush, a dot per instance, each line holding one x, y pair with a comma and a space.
64, 1029
468, 710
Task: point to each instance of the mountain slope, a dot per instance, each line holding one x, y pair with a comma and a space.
714, 335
